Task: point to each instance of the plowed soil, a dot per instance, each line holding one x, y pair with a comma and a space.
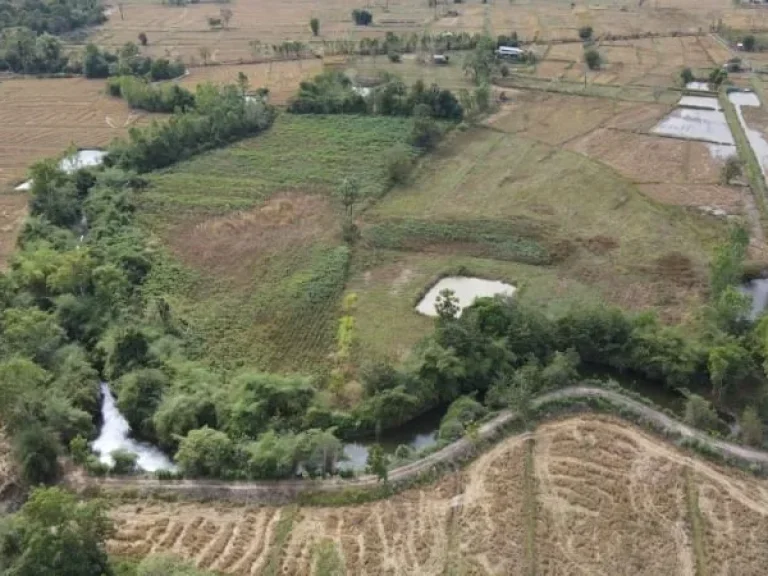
584, 495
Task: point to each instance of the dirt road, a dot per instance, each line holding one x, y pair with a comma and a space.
283, 491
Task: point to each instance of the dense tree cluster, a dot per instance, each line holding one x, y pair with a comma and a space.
220, 115
50, 16
140, 94
334, 93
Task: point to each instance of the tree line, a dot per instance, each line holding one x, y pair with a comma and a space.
23, 51
51, 17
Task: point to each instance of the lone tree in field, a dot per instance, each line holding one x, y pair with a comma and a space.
214, 22
717, 77
687, 76
314, 24
205, 53
585, 33
226, 16
749, 43
362, 17
592, 58
242, 83
731, 169
143, 40
377, 462
349, 194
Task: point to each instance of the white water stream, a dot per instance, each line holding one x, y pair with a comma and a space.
114, 435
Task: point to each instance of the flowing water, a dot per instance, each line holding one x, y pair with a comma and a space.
81, 159
115, 435
466, 289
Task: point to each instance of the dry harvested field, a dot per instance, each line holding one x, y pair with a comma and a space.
182, 31
40, 118
654, 62
282, 78
583, 495
617, 133
13, 210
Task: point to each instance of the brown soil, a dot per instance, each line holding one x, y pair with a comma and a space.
606, 498
231, 245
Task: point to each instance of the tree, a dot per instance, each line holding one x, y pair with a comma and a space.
362, 17
226, 16
36, 450
699, 413
349, 194
138, 395
447, 305
728, 364
78, 448
124, 461
717, 77
479, 62
731, 169
592, 58
206, 453
214, 22
143, 40
425, 132
314, 25
686, 76
749, 42
585, 33
751, 427
377, 462
242, 83
54, 534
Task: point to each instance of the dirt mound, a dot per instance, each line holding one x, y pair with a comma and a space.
588, 495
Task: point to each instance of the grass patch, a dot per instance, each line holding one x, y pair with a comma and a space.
283, 320
307, 153
388, 285
696, 523
501, 240
747, 155
529, 507
328, 561
288, 516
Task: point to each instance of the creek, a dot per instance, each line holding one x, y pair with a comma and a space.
115, 435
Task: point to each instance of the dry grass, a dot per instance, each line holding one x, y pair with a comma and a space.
232, 246
609, 499
282, 78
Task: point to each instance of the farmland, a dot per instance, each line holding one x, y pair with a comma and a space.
586, 493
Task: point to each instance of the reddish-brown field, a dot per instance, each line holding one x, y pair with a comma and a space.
584, 495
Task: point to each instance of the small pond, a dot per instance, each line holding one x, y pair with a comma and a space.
82, 159
698, 86
757, 290
466, 289
707, 102
690, 124
418, 434
115, 435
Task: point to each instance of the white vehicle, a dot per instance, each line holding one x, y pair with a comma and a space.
510, 52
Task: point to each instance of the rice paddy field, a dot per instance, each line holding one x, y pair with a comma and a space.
587, 494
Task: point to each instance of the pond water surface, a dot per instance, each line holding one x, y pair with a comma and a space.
466, 289
81, 159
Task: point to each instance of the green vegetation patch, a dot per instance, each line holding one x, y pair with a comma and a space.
283, 320
305, 153
501, 240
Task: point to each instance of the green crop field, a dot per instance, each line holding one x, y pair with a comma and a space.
256, 264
